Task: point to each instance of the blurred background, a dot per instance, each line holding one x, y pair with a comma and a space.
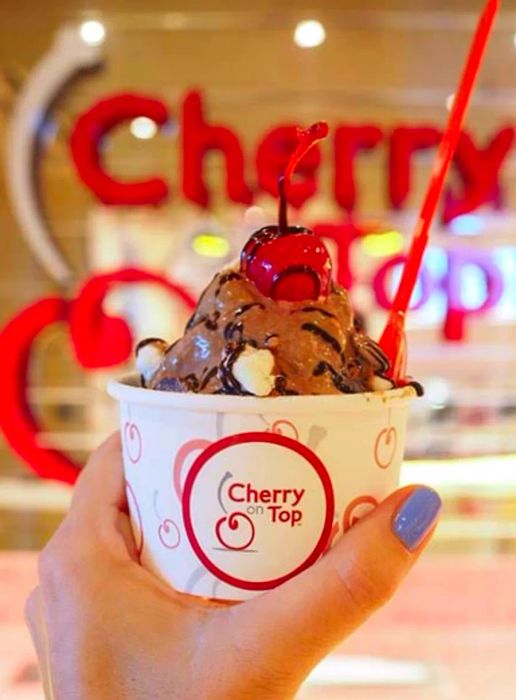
95, 96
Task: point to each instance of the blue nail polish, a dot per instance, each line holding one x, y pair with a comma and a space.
416, 516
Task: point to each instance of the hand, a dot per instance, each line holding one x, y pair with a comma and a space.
104, 628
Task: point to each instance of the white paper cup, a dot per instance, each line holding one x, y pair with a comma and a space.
232, 495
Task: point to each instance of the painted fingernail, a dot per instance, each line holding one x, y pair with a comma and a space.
416, 516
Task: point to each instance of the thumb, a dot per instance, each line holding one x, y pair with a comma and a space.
301, 621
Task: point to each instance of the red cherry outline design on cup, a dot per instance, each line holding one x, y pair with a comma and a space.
133, 442
276, 428
233, 525
258, 437
383, 438
182, 454
349, 519
165, 527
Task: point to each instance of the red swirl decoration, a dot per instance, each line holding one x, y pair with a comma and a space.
99, 340
235, 522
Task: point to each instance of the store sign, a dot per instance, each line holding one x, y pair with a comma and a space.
100, 340
478, 166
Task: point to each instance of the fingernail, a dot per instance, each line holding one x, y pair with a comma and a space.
416, 516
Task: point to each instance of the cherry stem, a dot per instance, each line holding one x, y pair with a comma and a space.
306, 139
282, 215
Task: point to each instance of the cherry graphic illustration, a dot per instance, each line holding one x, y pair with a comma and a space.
385, 447
289, 263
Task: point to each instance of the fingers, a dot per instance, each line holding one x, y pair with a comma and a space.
100, 496
97, 528
101, 486
123, 527
311, 613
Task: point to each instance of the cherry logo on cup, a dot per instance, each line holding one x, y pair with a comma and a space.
238, 524
385, 447
356, 509
133, 442
168, 534
259, 489
285, 262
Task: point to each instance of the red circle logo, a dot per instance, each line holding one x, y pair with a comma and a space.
244, 475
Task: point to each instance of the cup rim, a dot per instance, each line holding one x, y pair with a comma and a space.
128, 389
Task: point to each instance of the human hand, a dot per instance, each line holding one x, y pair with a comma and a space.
104, 628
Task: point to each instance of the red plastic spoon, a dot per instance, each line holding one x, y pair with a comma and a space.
393, 341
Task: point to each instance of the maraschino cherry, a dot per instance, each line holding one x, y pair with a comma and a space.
289, 263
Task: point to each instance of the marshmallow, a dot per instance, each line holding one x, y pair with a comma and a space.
381, 384
253, 369
149, 356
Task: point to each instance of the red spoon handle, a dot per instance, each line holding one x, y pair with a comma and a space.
393, 340
444, 157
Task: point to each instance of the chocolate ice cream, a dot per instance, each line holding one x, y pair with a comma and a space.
239, 341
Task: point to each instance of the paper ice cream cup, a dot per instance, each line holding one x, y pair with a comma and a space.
230, 496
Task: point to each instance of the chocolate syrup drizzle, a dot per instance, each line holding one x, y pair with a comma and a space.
339, 381
207, 377
148, 341
227, 277
418, 388
209, 321
327, 337
230, 384
280, 385
245, 307
370, 351
232, 329
315, 309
